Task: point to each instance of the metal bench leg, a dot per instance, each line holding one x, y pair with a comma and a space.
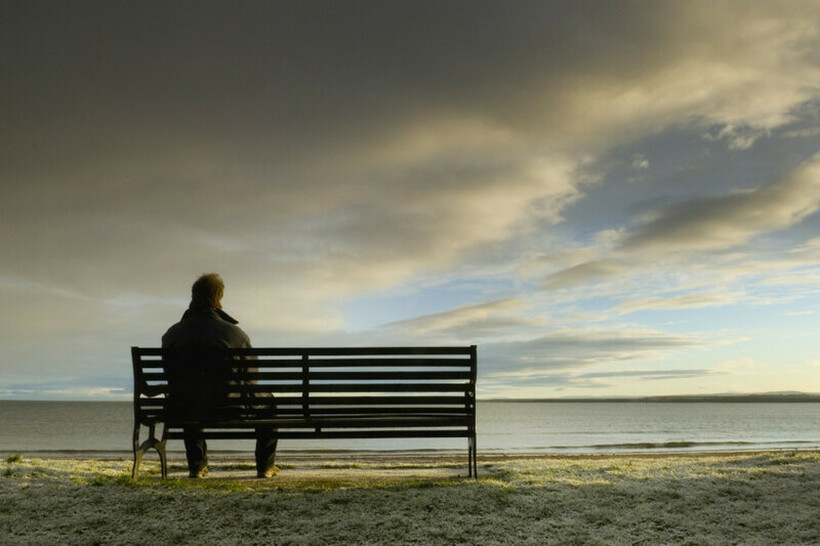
150, 443
160, 447
138, 451
472, 458
163, 462
469, 457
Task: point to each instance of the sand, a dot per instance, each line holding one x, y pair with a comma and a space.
742, 498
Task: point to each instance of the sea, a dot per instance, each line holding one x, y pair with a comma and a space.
504, 428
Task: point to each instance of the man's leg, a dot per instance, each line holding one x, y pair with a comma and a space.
265, 452
196, 451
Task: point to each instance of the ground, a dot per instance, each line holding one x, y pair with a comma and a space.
753, 498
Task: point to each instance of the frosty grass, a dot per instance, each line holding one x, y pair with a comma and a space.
771, 498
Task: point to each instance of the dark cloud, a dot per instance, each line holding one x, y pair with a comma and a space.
273, 83
587, 273
721, 222
729, 220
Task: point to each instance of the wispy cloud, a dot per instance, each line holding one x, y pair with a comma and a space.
480, 321
737, 365
527, 384
581, 347
682, 301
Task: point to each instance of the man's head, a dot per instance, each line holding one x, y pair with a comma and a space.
206, 293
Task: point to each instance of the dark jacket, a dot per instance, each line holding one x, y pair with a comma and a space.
205, 329
198, 377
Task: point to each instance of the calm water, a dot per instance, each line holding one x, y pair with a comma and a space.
536, 427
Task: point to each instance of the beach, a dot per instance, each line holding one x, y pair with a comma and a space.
730, 498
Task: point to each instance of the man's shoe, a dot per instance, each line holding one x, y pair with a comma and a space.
201, 473
269, 473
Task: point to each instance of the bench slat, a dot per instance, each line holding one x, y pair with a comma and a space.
330, 351
356, 351
431, 363
329, 434
283, 401
424, 399
358, 375
362, 387
420, 410
375, 421
373, 362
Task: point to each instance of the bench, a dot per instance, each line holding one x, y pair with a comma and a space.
377, 392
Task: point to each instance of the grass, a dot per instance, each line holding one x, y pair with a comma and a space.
770, 498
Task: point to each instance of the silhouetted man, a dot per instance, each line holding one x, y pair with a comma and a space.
205, 329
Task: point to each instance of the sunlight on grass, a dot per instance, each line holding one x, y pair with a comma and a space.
771, 498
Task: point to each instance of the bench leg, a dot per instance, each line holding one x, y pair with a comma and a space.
138, 452
141, 448
471, 457
163, 461
135, 467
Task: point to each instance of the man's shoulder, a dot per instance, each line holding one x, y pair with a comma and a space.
206, 328
170, 332
238, 338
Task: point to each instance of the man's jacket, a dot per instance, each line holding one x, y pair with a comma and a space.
199, 376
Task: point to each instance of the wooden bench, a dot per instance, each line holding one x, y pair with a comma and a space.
377, 392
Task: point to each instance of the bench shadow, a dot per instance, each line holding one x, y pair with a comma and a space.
321, 475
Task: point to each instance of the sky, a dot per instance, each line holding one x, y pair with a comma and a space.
608, 198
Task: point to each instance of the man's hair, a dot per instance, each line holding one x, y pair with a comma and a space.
206, 293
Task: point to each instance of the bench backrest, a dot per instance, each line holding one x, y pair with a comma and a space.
325, 382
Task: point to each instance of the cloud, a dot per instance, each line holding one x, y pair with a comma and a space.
693, 300
807, 132
689, 233
800, 313
312, 155
587, 273
738, 138
106, 385
261, 160
808, 251
532, 383
730, 220
426, 215
639, 166
651, 375
591, 378
581, 347
41, 392
484, 320
640, 162
740, 365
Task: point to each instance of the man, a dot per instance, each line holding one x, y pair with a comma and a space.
204, 329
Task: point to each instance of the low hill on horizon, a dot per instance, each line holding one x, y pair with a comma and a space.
727, 397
